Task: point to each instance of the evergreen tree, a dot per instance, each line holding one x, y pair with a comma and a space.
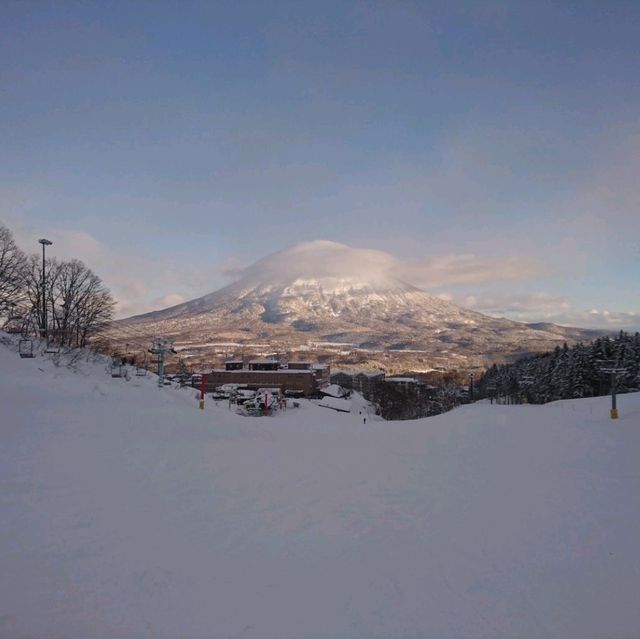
566, 373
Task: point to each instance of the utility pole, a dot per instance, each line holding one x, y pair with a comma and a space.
471, 387
43, 329
160, 347
611, 367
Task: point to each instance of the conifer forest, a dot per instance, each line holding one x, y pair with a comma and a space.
583, 370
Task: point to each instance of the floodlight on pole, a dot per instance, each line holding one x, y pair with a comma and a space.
45, 243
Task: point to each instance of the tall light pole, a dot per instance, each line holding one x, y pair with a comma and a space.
44, 332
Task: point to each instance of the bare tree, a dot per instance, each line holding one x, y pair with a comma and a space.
70, 283
79, 305
12, 269
93, 311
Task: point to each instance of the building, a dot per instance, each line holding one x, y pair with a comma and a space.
322, 373
270, 374
264, 365
364, 382
299, 366
401, 382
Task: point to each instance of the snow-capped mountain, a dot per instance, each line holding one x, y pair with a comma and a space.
325, 293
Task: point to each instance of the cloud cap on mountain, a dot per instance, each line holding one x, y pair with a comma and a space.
322, 259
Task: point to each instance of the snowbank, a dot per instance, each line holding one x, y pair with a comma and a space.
127, 512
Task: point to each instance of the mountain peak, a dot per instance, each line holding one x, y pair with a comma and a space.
324, 292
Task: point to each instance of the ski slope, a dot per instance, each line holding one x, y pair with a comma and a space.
128, 513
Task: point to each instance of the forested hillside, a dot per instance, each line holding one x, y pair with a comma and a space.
567, 372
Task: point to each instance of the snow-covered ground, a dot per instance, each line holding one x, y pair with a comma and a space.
126, 512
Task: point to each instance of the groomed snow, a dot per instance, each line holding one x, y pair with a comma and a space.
127, 512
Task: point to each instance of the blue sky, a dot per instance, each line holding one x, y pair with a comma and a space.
491, 147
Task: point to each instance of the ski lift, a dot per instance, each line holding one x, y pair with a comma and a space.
25, 348
141, 367
118, 369
54, 339
52, 348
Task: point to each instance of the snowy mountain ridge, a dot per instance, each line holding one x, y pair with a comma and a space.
326, 291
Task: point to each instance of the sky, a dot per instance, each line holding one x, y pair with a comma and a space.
490, 148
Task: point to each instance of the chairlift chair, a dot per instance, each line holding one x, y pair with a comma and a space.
25, 348
52, 348
117, 368
141, 366
54, 340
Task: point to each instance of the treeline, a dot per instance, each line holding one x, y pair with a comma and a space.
75, 301
567, 372
413, 401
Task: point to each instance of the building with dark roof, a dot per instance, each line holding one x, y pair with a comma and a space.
270, 374
364, 382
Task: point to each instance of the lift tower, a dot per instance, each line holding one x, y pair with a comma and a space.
160, 347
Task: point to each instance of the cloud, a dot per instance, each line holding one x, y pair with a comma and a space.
171, 299
541, 306
324, 259
467, 269
508, 303
594, 318
321, 259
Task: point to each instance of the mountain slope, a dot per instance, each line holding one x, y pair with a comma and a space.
127, 512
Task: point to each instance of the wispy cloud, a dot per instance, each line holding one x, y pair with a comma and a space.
594, 318
508, 303
320, 259
467, 269
541, 306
